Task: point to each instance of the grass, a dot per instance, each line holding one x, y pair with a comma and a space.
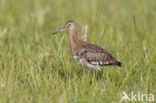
36, 67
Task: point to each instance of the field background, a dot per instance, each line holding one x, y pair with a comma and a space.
36, 67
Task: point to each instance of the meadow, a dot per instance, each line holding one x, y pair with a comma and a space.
37, 67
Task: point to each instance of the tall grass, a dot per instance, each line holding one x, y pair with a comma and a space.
36, 67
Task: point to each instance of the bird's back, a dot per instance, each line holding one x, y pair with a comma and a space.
93, 56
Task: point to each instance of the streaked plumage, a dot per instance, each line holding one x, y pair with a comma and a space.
87, 55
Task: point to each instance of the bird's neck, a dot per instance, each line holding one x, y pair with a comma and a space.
73, 39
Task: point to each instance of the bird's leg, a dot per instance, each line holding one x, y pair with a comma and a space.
97, 74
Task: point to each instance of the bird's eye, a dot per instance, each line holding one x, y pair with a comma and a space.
68, 24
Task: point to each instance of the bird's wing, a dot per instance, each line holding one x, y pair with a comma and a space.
96, 55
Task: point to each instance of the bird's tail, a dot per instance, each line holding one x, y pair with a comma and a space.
118, 64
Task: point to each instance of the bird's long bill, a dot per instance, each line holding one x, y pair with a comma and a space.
60, 30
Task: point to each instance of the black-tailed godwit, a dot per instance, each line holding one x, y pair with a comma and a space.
87, 55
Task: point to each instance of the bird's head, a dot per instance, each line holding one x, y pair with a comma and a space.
70, 25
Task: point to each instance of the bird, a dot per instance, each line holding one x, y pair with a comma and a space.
90, 56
